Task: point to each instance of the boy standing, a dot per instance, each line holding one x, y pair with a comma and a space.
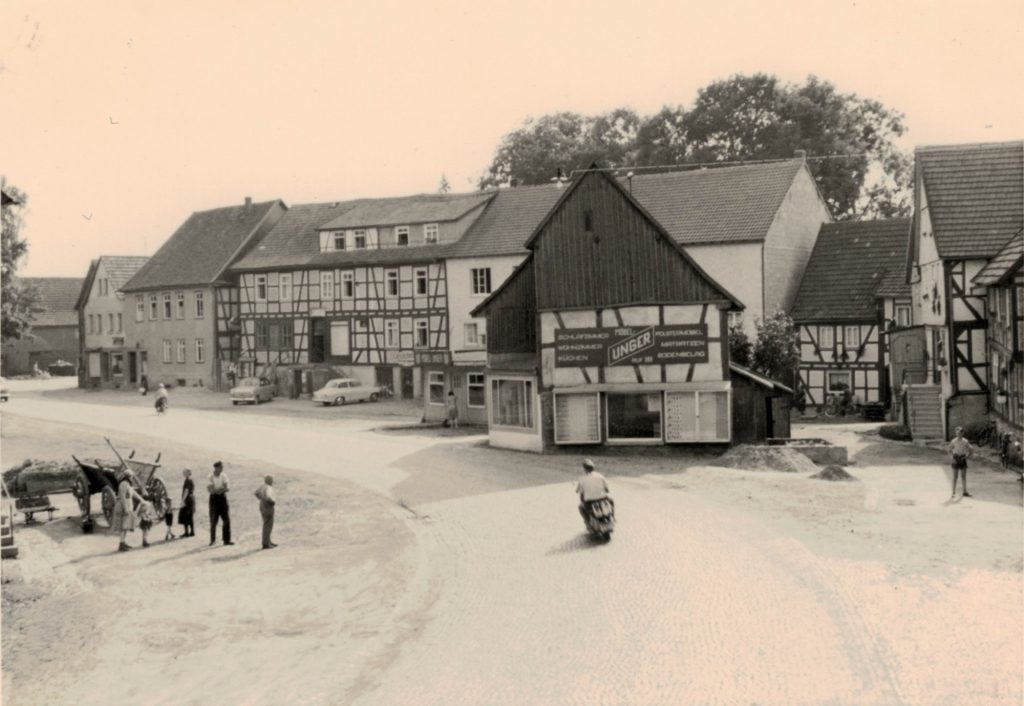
960, 451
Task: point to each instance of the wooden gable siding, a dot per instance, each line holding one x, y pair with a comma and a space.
623, 259
512, 314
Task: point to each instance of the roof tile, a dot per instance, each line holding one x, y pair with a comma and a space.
56, 303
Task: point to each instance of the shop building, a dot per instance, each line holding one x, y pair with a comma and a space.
100, 307
607, 333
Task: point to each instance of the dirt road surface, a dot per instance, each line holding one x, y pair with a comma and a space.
419, 570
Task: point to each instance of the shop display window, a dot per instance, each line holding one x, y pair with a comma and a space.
578, 418
633, 416
512, 403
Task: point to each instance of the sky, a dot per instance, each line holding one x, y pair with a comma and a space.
121, 118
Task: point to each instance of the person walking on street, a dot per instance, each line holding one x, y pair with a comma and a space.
960, 450
218, 488
265, 494
187, 513
453, 410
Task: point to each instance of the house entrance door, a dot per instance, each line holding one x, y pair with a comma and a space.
317, 341
408, 389
133, 367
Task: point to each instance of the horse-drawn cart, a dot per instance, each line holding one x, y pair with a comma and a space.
102, 477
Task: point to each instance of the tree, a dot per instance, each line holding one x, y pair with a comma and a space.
777, 351
443, 186
740, 347
851, 141
18, 299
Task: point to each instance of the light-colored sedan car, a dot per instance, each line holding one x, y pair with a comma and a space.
254, 390
341, 390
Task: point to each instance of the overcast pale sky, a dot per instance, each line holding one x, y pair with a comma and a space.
121, 118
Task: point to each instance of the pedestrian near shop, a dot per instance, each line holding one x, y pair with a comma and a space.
187, 512
453, 410
123, 520
268, 499
219, 510
959, 451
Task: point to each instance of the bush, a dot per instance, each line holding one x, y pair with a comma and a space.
981, 433
896, 432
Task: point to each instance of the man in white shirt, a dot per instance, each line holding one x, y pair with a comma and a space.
959, 451
267, 499
590, 487
218, 489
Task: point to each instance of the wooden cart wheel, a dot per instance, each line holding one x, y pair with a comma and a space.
158, 496
109, 500
81, 493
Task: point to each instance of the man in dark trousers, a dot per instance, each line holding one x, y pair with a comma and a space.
218, 487
265, 494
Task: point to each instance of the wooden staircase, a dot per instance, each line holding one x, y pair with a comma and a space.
924, 405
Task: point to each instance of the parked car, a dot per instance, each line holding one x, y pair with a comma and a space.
253, 390
341, 390
3, 390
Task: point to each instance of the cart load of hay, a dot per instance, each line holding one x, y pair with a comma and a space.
36, 476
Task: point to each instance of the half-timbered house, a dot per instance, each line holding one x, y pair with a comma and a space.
967, 205
846, 302
1003, 279
360, 286
607, 333
181, 306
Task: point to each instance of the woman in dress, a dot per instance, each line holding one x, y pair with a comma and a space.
187, 513
124, 510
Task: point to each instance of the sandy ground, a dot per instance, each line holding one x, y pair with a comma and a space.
719, 586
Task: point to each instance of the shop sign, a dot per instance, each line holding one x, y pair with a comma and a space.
405, 359
433, 358
631, 345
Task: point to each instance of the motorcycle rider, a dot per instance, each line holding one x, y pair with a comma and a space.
590, 487
161, 399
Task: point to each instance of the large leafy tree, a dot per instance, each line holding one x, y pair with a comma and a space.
777, 350
18, 299
851, 141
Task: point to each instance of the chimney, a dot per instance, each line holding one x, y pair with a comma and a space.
248, 203
801, 155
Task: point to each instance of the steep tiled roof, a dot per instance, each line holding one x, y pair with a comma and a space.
201, 248
56, 303
508, 220
850, 261
121, 268
894, 283
975, 195
422, 208
1006, 261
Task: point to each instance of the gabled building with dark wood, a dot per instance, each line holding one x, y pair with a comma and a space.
968, 204
607, 333
849, 298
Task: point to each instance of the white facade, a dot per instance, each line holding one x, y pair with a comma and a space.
467, 334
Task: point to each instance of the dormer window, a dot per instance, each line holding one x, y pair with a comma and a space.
339, 240
402, 235
430, 233
359, 240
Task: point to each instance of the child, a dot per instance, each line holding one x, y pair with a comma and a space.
147, 515
169, 521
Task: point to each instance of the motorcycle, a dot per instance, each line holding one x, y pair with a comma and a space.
161, 405
599, 517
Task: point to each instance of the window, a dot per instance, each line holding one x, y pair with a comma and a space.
481, 277
430, 233
360, 324
735, 319
200, 305
153, 307
588, 221
512, 403
703, 415
286, 288
422, 339
633, 416
339, 240
339, 338
839, 381
852, 337
167, 350
140, 307
327, 286
200, 354
274, 334
391, 333
117, 364
120, 323
110, 322
261, 288
470, 335
436, 386
262, 335
92, 327
180, 309
475, 390
181, 350
402, 235
359, 240
420, 276
825, 337
99, 323
348, 285
578, 418
903, 315
167, 306
391, 283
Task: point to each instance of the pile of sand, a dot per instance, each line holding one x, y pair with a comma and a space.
833, 473
766, 458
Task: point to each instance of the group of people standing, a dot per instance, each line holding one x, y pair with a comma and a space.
132, 509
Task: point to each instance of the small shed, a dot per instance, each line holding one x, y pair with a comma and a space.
760, 407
